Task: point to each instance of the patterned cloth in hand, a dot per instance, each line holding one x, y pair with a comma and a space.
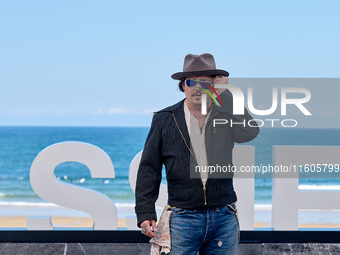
162, 243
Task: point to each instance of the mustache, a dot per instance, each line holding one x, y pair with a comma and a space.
197, 93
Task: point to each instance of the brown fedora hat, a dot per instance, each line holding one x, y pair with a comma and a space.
198, 65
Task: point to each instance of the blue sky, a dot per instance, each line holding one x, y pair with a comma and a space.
108, 63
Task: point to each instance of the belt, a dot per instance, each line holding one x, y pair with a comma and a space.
206, 207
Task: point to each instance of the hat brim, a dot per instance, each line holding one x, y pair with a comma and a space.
180, 75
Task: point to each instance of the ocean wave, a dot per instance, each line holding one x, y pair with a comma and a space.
121, 206
27, 204
263, 207
319, 187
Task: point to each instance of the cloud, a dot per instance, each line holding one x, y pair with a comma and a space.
113, 111
120, 111
33, 113
99, 111
148, 111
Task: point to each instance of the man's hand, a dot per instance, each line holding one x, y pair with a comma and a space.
146, 225
221, 80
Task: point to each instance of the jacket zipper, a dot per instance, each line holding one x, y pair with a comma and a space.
204, 187
192, 154
205, 195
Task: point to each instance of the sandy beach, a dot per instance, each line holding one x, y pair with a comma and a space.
71, 222
86, 222
58, 222
15, 216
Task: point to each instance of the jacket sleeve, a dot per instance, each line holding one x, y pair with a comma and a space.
149, 174
241, 132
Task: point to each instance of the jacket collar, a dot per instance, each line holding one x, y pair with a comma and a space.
178, 112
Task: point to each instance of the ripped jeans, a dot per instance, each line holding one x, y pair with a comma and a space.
211, 231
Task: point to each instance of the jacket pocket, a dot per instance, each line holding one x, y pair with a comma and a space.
169, 171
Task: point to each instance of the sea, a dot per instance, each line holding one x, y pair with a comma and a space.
20, 145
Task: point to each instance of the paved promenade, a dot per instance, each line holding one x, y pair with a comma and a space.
144, 248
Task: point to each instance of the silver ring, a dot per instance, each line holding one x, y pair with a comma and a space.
143, 230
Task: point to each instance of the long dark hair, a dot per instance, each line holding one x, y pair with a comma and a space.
180, 84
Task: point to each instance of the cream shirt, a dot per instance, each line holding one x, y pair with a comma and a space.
197, 138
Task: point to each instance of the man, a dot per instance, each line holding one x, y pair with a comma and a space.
186, 139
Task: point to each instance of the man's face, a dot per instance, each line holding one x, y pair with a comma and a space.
194, 93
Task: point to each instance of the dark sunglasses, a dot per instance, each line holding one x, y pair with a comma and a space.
192, 83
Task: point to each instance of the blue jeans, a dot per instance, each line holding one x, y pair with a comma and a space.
212, 231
